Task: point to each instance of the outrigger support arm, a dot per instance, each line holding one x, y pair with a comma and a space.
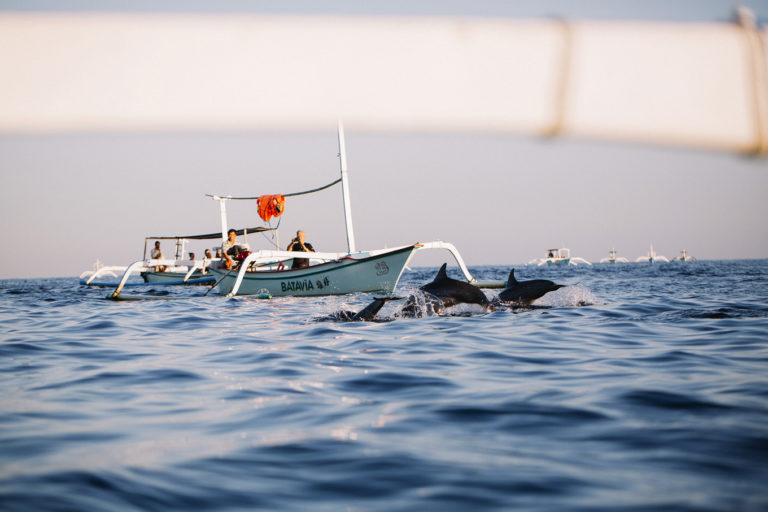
131, 268
455, 252
103, 271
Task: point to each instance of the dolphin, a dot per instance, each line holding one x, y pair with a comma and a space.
525, 292
453, 292
443, 292
366, 314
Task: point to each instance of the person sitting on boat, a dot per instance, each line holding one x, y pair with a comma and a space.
231, 241
157, 254
298, 244
230, 249
233, 251
207, 257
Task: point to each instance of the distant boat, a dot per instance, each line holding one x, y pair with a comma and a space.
561, 256
613, 259
684, 257
652, 257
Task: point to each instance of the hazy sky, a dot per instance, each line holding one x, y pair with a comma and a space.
67, 200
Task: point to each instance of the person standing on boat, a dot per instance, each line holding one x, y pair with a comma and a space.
298, 244
157, 254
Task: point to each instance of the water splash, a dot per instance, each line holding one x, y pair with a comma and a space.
569, 296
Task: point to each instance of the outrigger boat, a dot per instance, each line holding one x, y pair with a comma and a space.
612, 258
176, 271
684, 257
561, 256
269, 272
652, 257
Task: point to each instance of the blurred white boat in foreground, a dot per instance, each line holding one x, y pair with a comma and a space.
701, 85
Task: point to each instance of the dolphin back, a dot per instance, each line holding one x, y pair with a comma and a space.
442, 274
511, 279
525, 292
452, 291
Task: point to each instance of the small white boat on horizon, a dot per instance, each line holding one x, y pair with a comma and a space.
651, 257
612, 258
684, 257
561, 256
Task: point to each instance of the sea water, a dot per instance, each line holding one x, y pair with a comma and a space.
635, 387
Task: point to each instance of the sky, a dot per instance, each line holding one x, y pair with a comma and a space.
67, 200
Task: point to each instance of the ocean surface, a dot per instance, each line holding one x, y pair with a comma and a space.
636, 387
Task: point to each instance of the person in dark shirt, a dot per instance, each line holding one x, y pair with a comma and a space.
298, 244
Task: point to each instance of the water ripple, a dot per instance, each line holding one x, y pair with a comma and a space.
636, 387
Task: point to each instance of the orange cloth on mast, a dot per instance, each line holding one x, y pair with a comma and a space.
270, 206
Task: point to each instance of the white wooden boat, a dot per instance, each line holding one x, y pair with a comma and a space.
268, 272
561, 256
684, 257
612, 258
372, 271
178, 270
651, 257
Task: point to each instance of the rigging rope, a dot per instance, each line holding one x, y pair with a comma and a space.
279, 205
291, 194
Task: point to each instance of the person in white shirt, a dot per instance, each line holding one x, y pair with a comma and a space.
157, 254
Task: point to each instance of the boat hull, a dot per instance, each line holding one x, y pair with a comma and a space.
152, 277
378, 273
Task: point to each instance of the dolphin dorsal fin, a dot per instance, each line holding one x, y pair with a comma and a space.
511, 279
441, 274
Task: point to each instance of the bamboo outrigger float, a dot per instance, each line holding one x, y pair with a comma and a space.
269, 272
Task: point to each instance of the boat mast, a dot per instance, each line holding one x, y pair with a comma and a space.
345, 190
223, 212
